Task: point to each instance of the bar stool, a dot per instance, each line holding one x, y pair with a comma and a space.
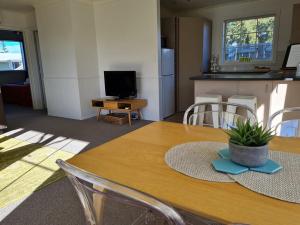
250, 101
215, 108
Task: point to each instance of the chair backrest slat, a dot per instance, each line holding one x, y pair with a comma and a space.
222, 115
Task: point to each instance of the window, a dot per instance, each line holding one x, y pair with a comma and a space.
249, 39
11, 55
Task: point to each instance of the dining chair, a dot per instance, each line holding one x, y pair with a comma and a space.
285, 122
109, 203
201, 114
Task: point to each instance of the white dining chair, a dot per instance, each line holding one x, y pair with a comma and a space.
250, 101
215, 107
227, 119
109, 203
285, 122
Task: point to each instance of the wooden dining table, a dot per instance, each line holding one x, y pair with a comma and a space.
136, 160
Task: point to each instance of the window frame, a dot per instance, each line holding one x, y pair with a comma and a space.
274, 44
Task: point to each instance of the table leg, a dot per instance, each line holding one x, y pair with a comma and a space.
99, 114
139, 114
129, 118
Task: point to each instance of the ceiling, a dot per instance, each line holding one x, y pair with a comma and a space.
22, 5
27, 5
189, 4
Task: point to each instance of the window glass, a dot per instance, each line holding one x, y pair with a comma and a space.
250, 39
11, 55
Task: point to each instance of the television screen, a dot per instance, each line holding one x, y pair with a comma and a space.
120, 84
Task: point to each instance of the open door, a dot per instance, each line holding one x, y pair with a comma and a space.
193, 36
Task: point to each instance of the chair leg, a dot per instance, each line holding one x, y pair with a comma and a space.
139, 114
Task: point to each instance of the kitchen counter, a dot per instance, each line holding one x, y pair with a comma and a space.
274, 90
252, 76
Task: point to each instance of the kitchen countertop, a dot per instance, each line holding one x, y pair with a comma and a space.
273, 75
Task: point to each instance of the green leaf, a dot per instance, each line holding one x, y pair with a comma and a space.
247, 134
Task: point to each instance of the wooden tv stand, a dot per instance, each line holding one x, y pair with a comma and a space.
122, 106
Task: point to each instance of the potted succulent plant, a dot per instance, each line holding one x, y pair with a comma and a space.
248, 144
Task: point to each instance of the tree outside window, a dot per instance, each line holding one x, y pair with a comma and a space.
249, 38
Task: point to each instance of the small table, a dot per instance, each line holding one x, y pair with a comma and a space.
122, 105
136, 160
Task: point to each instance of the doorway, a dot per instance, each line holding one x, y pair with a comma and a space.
18, 73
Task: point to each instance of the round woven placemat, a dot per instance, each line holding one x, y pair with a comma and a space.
283, 185
194, 159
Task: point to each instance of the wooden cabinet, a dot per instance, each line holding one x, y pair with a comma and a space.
122, 105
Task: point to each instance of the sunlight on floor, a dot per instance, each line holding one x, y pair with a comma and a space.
36, 137
13, 132
27, 161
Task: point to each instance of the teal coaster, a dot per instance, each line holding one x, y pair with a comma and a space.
227, 166
270, 167
224, 153
224, 166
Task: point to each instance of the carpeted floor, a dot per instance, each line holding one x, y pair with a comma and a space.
57, 203
176, 118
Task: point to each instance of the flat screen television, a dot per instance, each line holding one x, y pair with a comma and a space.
121, 84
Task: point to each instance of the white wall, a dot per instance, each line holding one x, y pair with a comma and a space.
58, 59
86, 55
127, 38
18, 20
282, 9
69, 57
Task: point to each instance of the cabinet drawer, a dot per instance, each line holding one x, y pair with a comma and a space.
111, 105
